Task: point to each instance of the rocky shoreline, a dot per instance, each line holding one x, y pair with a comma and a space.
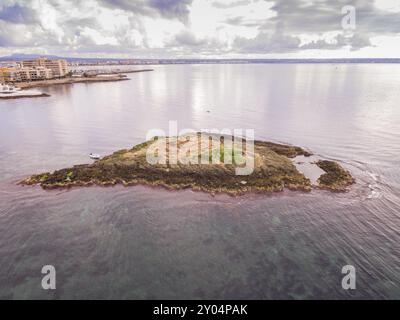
336, 178
273, 171
69, 80
25, 96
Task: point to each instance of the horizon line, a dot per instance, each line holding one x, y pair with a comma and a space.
193, 59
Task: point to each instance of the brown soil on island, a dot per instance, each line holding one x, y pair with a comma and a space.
273, 168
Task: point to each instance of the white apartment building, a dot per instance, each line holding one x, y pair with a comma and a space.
30, 70
59, 68
24, 74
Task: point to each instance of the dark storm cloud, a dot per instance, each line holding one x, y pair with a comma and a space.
295, 18
138, 7
18, 14
173, 9
326, 15
303, 16
187, 39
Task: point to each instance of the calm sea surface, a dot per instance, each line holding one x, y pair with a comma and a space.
141, 243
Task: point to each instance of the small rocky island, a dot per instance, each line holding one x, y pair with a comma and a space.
273, 168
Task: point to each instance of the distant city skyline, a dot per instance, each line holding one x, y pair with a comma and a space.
202, 29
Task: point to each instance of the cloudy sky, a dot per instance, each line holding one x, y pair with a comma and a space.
200, 28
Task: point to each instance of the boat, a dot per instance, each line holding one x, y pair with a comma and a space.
8, 89
94, 156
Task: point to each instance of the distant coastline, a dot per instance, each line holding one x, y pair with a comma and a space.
23, 86
94, 62
145, 61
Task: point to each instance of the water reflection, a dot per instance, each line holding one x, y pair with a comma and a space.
141, 243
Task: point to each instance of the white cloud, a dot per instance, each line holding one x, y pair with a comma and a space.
388, 5
215, 28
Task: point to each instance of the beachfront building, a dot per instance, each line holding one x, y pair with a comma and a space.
59, 68
40, 73
2, 77
8, 75
24, 74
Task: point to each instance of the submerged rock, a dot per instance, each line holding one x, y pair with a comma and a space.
181, 165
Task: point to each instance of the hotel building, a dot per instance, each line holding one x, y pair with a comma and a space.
24, 74
30, 70
59, 68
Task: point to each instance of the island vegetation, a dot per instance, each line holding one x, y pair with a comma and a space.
273, 169
335, 178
